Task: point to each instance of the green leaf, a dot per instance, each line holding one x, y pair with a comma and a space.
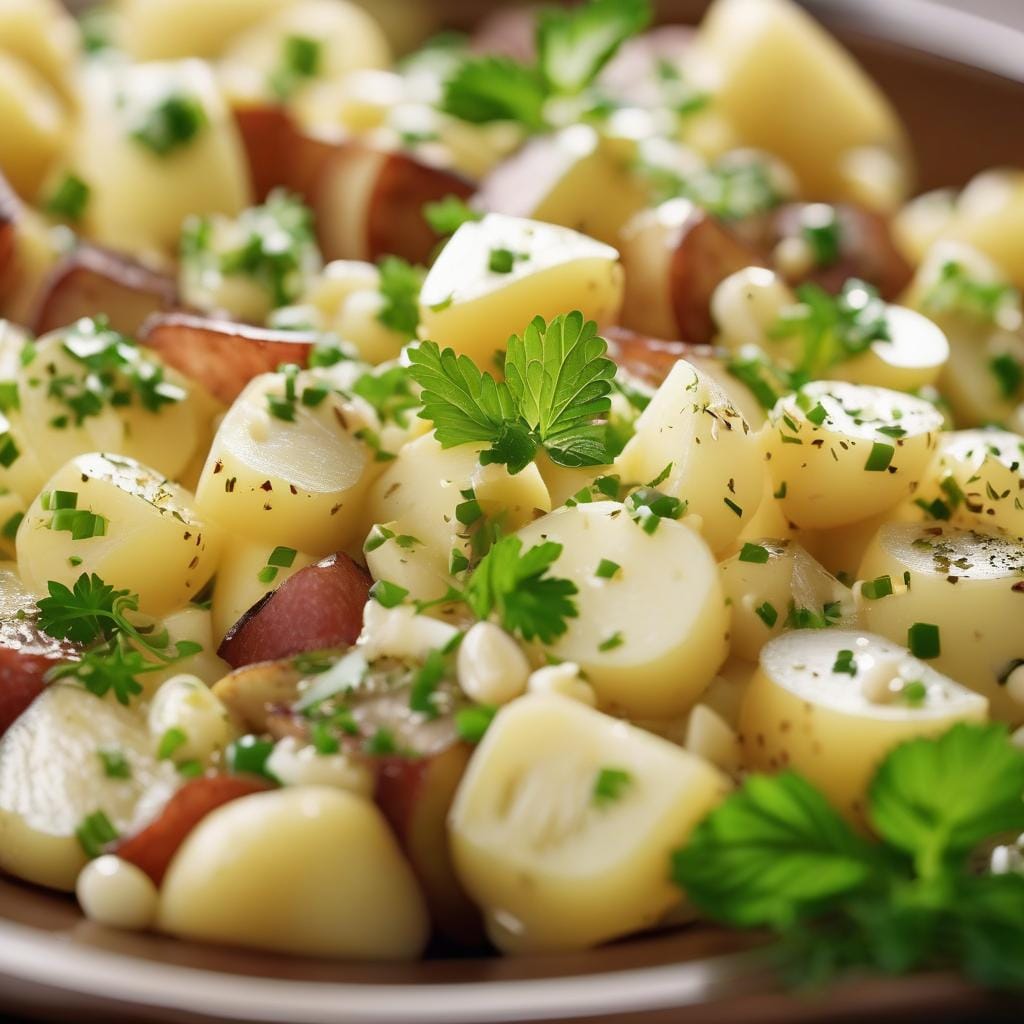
400, 284
483, 89
990, 913
83, 614
515, 585
465, 405
447, 215
573, 44
771, 852
937, 799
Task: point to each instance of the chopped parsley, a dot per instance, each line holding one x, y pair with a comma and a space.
877, 588
301, 60
248, 755
557, 380
170, 743
115, 764
502, 260
610, 785
400, 284
279, 558
845, 663
610, 643
607, 569
648, 507
170, 125
390, 392
1008, 371
755, 553
94, 833
69, 199
388, 594
957, 292
447, 215
471, 723
821, 230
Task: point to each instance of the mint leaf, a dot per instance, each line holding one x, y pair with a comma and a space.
574, 44
771, 852
484, 89
938, 799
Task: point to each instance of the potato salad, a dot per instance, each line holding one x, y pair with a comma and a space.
504, 493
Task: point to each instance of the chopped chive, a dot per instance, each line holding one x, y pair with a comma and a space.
879, 587
606, 569
914, 693
754, 553
94, 832
171, 124
610, 785
267, 574
171, 741
69, 199
767, 614
115, 765
324, 741
923, 640
191, 769
388, 594
615, 640
817, 415
249, 755
282, 557
845, 663
471, 723
880, 457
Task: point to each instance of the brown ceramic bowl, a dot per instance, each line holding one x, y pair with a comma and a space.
959, 84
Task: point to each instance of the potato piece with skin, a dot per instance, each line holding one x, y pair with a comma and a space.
34, 123
564, 821
51, 778
968, 585
786, 86
298, 482
162, 29
239, 586
473, 309
675, 256
842, 452
203, 173
351, 894
573, 177
980, 477
152, 542
347, 39
774, 585
651, 637
713, 457
836, 726
419, 496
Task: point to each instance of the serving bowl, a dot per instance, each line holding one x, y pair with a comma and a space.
958, 83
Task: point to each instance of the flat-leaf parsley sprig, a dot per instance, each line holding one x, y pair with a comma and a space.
557, 383
777, 854
118, 649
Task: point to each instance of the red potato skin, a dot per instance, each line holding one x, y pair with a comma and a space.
268, 134
648, 359
92, 280
326, 172
866, 248
26, 655
153, 849
320, 606
707, 253
10, 207
221, 355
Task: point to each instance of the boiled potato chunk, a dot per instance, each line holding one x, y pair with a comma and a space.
240, 584
968, 585
34, 125
651, 637
832, 703
980, 476
839, 453
349, 894
420, 496
775, 585
348, 39
52, 777
44, 35
48, 385
467, 306
204, 173
713, 458
788, 87
111, 516
160, 29
297, 482
556, 863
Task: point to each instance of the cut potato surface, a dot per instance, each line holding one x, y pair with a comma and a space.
692, 432
651, 637
470, 307
557, 862
52, 777
838, 453
137, 531
350, 892
295, 476
831, 704
968, 587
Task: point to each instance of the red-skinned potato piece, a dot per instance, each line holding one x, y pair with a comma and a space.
92, 280
507, 33
675, 256
221, 355
633, 73
866, 249
153, 849
648, 359
415, 795
320, 606
268, 134
368, 202
26, 655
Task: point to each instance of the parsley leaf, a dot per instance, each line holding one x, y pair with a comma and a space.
400, 285
389, 392
516, 587
557, 383
940, 798
574, 44
486, 89
957, 292
84, 614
